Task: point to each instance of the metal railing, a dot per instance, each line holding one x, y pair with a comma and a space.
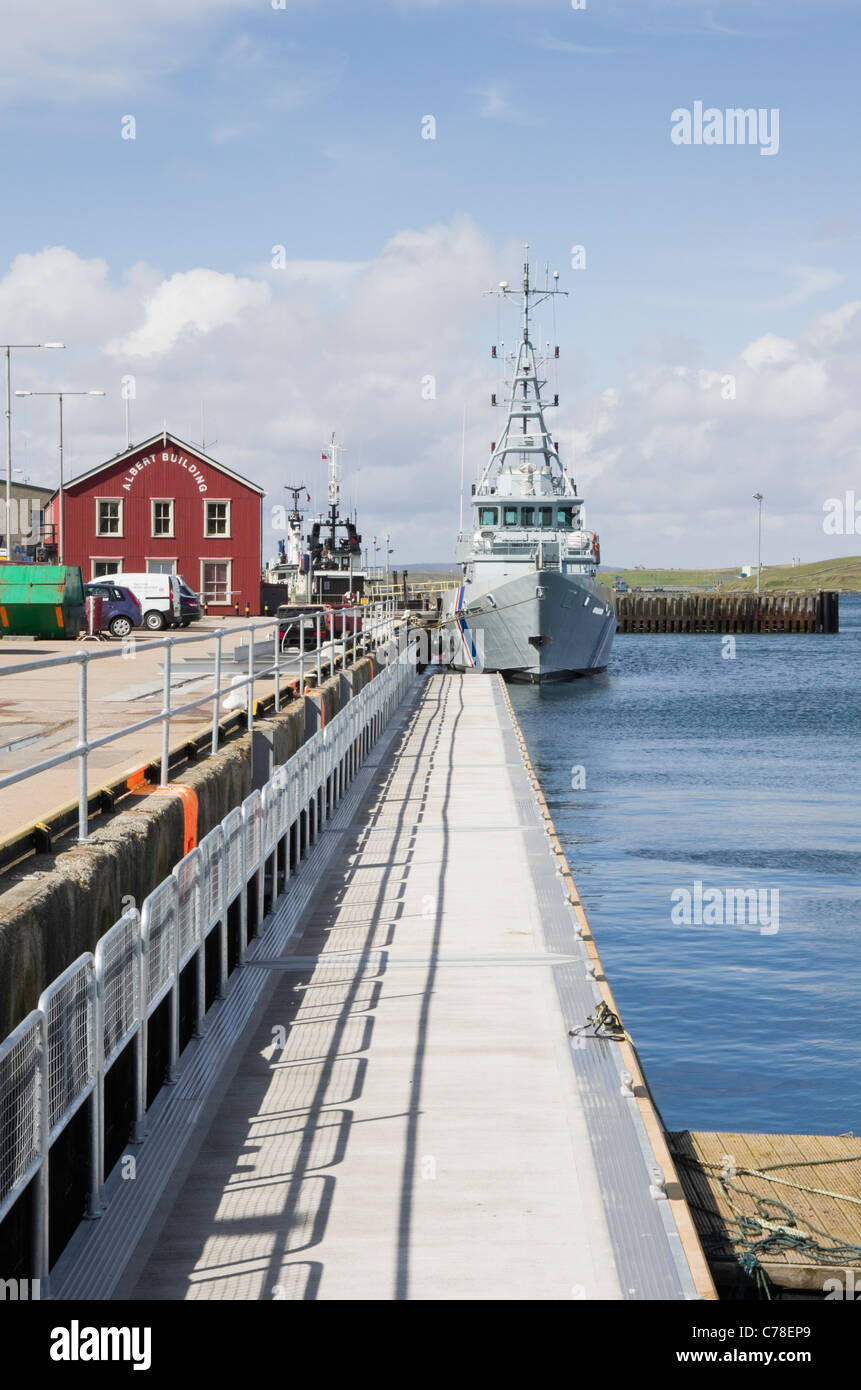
377, 628
57, 1059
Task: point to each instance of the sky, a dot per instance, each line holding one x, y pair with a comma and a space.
281, 242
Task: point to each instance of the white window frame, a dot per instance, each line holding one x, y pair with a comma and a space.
161, 560
105, 560
216, 560
162, 535
116, 535
216, 535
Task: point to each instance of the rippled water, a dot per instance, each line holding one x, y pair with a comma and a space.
739, 773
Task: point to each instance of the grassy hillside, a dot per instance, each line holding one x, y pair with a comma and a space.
843, 573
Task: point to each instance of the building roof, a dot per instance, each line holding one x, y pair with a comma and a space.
32, 490
165, 438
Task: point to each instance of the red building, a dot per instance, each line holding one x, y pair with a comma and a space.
164, 507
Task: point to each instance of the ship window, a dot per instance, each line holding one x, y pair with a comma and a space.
509, 516
563, 516
487, 516
546, 515
527, 516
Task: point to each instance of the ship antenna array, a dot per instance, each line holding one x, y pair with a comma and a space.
530, 296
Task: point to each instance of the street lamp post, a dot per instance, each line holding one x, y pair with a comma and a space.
388, 553
757, 497
8, 348
60, 395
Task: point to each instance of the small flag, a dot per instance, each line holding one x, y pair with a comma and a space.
324, 456
307, 497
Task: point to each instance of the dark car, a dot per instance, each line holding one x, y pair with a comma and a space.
189, 604
121, 610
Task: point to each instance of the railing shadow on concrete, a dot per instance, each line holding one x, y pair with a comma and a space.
56, 1061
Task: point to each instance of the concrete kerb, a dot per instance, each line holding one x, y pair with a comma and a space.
56, 906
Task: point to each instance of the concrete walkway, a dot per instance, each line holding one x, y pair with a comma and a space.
406, 1120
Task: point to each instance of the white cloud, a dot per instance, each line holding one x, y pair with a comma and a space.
52, 50
197, 301
282, 358
497, 105
810, 279
769, 349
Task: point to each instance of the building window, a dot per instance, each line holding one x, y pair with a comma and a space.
109, 516
101, 567
216, 518
215, 581
162, 516
161, 566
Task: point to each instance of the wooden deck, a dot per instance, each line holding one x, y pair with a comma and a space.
802, 1190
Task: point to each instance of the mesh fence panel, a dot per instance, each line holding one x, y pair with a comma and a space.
252, 822
71, 1039
159, 914
271, 801
19, 1104
212, 849
188, 874
120, 977
233, 852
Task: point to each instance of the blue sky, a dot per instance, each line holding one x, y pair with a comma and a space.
301, 127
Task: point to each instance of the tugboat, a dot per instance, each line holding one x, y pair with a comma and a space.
530, 605
326, 573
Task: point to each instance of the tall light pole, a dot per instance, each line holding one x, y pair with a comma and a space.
60, 395
375, 544
8, 349
757, 497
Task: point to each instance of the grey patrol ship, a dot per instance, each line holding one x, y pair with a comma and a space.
529, 605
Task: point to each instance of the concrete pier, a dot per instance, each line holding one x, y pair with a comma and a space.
407, 1117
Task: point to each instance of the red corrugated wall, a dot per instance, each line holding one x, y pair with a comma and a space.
175, 472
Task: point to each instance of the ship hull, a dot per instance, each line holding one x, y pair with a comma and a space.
535, 627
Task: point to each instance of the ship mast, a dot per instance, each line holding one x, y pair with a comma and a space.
525, 405
334, 486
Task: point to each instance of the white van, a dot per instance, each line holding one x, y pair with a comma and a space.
158, 596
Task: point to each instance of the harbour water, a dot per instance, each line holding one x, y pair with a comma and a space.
738, 772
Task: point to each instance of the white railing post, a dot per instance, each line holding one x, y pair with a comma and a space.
277, 667
165, 728
42, 1188
216, 693
302, 654
318, 623
83, 798
250, 687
